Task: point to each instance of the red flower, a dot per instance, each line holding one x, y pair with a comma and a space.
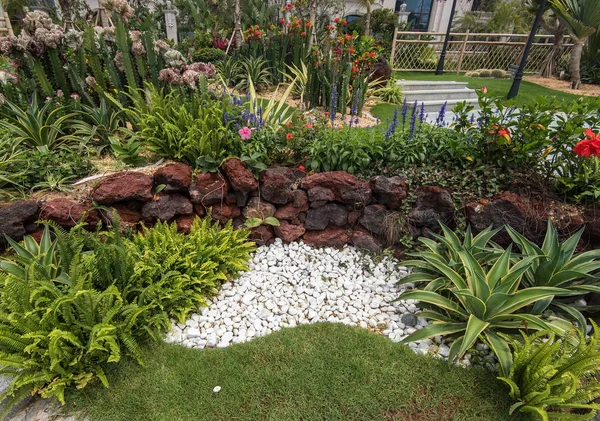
372, 55
590, 146
282, 21
352, 50
288, 136
484, 90
288, 124
303, 34
344, 22
336, 20
301, 167
308, 126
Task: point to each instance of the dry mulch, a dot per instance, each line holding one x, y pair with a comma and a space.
564, 86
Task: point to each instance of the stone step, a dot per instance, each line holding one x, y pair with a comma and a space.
441, 95
433, 107
422, 85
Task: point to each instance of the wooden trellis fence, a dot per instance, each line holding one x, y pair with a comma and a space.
419, 51
5, 26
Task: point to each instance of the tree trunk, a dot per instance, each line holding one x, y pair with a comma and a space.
575, 65
557, 48
313, 22
237, 29
368, 21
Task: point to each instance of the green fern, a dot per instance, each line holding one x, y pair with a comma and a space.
555, 378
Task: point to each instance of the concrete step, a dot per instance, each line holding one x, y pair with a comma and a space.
441, 95
433, 107
422, 85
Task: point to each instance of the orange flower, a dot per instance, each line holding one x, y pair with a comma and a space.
308, 126
288, 136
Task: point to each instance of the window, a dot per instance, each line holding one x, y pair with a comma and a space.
420, 11
352, 18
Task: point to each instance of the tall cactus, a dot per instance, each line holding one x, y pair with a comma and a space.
124, 45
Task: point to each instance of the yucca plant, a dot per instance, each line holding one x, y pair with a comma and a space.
276, 112
56, 330
38, 127
557, 265
555, 378
479, 301
229, 70
445, 250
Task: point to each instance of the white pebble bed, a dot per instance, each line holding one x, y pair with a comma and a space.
293, 284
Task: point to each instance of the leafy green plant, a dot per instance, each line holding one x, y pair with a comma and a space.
56, 330
38, 127
352, 150
275, 112
128, 150
178, 272
557, 265
254, 70
390, 92
209, 55
97, 124
474, 299
229, 70
555, 378
255, 222
183, 127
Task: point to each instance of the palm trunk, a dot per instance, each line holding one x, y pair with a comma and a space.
368, 22
575, 65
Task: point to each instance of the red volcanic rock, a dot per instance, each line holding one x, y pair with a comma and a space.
320, 218
363, 240
239, 176
224, 212
373, 218
432, 204
288, 232
344, 187
14, 217
128, 218
208, 189
257, 208
67, 213
123, 186
166, 206
329, 237
262, 235
184, 223
176, 177
389, 191
276, 184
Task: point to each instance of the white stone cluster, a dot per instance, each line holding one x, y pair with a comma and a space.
293, 284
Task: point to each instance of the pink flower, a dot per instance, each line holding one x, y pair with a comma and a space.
245, 133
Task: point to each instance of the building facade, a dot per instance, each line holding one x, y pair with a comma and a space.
423, 15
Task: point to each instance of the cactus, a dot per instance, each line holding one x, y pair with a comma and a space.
57, 70
39, 75
124, 45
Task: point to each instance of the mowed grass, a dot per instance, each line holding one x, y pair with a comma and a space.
528, 92
316, 372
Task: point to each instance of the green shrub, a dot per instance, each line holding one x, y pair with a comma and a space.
391, 92
497, 73
555, 378
230, 71
209, 55
52, 170
56, 330
472, 74
485, 73
254, 69
475, 294
183, 127
352, 150
177, 272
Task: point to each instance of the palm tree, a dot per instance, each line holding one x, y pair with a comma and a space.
367, 4
582, 18
312, 8
551, 23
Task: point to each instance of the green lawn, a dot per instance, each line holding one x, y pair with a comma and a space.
315, 372
528, 92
